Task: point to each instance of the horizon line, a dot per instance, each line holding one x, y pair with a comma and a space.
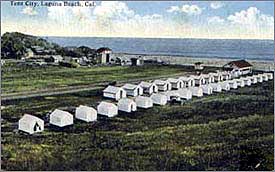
144, 37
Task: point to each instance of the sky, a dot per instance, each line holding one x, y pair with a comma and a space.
147, 19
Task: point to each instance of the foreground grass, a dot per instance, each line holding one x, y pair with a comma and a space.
226, 131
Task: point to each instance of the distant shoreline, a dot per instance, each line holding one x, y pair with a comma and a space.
208, 61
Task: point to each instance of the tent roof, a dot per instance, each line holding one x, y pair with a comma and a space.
30, 118
60, 113
130, 86
112, 89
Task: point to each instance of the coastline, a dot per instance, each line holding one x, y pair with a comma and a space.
187, 60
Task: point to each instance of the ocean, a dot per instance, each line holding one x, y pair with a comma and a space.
201, 48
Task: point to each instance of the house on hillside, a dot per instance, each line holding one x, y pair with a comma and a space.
54, 59
103, 55
31, 124
239, 67
114, 92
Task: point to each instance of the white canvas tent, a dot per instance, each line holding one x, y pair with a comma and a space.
199, 80
208, 78
207, 89
148, 87
188, 81
85, 113
269, 75
216, 87
225, 85
107, 109
253, 79
31, 124
133, 90
159, 99
127, 105
259, 77
247, 81
226, 75
61, 118
196, 91
163, 85
144, 102
265, 77
176, 83
114, 92
233, 83
171, 95
185, 93
217, 76
240, 82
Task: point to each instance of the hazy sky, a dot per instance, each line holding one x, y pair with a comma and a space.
182, 19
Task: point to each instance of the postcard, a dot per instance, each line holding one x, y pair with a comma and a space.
137, 85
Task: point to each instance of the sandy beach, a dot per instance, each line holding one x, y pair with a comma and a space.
258, 64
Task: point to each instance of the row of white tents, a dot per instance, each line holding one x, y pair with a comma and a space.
158, 92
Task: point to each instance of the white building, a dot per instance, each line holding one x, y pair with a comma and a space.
247, 81
240, 82
176, 83
163, 85
196, 91
185, 93
207, 89
133, 90
172, 95
225, 85
148, 87
198, 66
199, 80
208, 78
188, 81
216, 87
241, 67
107, 109
127, 105
233, 84
144, 102
61, 118
31, 124
85, 113
159, 99
114, 92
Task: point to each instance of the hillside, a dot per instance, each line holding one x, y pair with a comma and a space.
14, 45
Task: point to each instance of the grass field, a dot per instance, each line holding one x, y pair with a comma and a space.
16, 79
226, 131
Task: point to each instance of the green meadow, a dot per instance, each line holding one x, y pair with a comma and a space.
225, 131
